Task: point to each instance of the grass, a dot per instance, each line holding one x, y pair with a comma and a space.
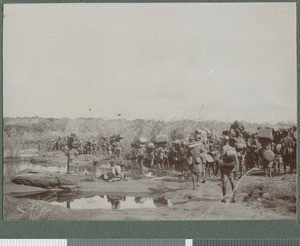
28, 209
12, 146
32, 130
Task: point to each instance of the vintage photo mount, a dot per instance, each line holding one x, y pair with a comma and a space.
144, 229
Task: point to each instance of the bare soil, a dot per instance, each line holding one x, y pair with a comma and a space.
258, 198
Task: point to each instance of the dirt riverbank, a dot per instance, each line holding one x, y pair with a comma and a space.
258, 198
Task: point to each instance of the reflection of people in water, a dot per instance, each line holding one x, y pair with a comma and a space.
138, 199
115, 201
161, 201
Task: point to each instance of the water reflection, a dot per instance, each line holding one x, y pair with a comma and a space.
115, 201
111, 202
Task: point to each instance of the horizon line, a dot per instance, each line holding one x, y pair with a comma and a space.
165, 120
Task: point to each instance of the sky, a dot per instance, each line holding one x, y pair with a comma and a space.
201, 61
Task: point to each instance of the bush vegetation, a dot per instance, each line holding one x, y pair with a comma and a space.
20, 133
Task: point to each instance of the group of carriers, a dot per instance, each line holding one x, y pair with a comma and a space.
112, 145
162, 154
151, 154
83, 146
272, 149
278, 149
107, 146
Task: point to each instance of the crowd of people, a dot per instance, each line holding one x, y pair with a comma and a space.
107, 146
230, 155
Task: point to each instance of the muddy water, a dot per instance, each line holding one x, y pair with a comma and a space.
79, 201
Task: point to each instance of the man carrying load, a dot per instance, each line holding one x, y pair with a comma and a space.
162, 151
267, 156
197, 150
228, 162
150, 155
138, 150
195, 170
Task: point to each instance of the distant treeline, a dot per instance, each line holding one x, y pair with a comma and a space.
18, 130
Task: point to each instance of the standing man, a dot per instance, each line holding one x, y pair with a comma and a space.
71, 156
251, 157
294, 137
175, 155
198, 155
240, 146
150, 155
94, 147
117, 150
267, 156
71, 150
288, 147
227, 164
194, 167
161, 158
138, 154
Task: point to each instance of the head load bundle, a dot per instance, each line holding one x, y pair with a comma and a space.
150, 146
237, 135
161, 140
139, 142
295, 132
119, 137
115, 138
177, 142
202, 135
236, 129
265, 134
194, 144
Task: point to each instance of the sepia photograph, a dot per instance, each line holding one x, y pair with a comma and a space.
149, 111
